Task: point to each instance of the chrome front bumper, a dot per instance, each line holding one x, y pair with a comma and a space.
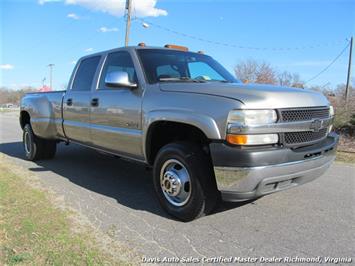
243, 183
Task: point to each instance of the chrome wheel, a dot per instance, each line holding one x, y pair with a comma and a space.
27, 144
175, 182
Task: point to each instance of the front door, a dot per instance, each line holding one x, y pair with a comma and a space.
116, 117
77, 101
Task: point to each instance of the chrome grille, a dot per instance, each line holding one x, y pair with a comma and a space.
304, 137
304, 114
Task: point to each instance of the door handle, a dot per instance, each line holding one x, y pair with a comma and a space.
69, 102
95, 102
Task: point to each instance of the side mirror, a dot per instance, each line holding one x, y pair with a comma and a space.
119, 79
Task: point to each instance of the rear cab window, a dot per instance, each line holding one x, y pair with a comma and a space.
85, 74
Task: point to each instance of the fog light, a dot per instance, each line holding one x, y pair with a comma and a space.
261, 139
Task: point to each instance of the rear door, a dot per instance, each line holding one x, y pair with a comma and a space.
116, 117
77, 101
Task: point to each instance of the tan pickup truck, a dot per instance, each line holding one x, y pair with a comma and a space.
206, 135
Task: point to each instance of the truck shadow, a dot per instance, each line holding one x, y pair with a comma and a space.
129, 183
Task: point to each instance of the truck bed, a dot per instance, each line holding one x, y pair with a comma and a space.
46, 110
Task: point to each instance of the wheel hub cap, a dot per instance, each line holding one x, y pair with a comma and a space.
175, 182
171, 183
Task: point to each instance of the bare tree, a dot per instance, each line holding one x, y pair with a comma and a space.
13, 96
246, 70
266, 74
285, 79
254, 72
290, 80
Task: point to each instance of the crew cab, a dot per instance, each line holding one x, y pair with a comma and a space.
206, 135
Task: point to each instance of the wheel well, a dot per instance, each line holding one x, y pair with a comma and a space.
164, 132
24, 118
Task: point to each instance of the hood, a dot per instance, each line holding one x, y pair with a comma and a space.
253, 96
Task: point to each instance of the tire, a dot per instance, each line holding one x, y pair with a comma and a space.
37, 148
184, 181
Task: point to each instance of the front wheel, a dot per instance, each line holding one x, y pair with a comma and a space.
184, 181
37, 148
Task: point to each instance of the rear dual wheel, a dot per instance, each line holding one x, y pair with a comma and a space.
184, 181
37, 148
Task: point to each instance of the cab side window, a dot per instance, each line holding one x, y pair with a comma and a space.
118, 61
85, 74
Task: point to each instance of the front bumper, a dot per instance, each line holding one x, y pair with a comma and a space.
251, 174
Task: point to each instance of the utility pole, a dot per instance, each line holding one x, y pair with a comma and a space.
348, 80
128, 20
51, 76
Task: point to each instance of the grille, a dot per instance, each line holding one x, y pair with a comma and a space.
304, 137
303, 114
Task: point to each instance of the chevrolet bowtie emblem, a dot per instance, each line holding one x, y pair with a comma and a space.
316, 125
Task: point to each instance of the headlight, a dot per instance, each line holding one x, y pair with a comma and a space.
252, 117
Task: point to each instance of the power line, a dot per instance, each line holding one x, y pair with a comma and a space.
258, 48
330, 64
238, 45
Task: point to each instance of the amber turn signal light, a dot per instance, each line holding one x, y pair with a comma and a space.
260, 139
237, 139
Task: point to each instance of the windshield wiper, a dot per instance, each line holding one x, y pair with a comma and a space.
182, 79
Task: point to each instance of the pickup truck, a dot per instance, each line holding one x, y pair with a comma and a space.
206, 136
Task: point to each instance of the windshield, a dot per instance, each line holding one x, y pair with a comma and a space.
178, 66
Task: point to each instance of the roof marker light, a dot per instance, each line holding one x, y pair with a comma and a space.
177, 47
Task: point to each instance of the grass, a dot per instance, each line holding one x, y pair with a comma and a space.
34, 232
345, 157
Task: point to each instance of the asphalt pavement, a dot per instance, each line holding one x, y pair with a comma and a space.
317, 219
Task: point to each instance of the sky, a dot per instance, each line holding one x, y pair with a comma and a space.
297, 36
